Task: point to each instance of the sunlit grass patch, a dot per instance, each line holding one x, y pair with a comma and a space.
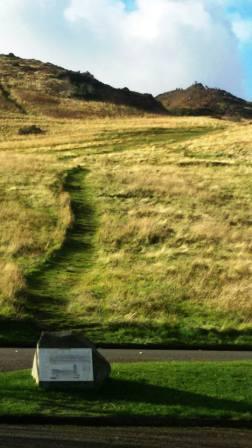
220, 391
170, 200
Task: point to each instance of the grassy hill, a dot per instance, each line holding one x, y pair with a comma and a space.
135, 230
30, 86
201, 100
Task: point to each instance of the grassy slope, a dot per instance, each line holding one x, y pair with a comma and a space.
163, 207
200, 100
181, 390
33, 87
50, 288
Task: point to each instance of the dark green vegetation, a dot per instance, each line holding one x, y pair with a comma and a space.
199, 100
28, 130
221, 391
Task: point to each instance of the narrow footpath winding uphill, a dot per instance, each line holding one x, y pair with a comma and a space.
51, 289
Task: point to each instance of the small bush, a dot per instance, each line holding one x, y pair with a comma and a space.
33, 129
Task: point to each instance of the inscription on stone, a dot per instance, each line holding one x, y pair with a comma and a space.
66, 365
67, 358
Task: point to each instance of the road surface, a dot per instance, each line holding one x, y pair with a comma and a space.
17, 359
75, 437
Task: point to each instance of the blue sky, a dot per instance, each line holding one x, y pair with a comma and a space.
130, 4
242, 9
147, 45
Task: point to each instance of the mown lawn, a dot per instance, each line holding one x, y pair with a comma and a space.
183, 390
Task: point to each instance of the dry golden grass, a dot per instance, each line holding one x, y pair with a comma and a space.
34, 215
172, 198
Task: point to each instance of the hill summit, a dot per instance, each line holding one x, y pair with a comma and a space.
28, 86
31, 86
202, 100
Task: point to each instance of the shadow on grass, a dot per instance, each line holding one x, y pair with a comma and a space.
18, 332
119, 397
155, 132
148, 333
15, 332
154, 136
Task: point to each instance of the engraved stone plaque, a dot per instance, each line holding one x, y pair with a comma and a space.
66, 364
64, 359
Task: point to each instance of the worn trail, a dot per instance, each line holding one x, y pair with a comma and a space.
51, 288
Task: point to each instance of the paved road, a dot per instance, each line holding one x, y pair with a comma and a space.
75, 437
15, 359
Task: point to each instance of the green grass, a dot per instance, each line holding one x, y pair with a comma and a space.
183, 390
50, 288
159, 246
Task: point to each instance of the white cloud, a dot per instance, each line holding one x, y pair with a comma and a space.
161, 45
242, 29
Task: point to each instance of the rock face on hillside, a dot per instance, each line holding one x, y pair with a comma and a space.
30, 86
202, 100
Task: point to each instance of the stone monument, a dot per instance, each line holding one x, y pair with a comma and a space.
64, 359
